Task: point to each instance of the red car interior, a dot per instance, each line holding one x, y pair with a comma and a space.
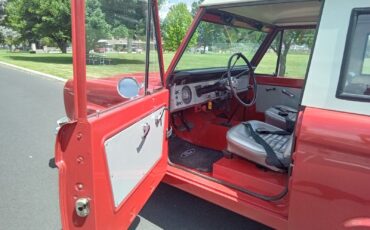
240, 139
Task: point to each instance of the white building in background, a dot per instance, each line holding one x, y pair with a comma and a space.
120, 45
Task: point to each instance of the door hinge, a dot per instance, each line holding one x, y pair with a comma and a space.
169, 132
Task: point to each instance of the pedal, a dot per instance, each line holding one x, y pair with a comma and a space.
226, 124
186, 126
227, 154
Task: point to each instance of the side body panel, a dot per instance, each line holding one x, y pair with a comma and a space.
331, 174
330, 180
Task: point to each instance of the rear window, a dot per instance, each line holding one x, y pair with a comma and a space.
354, 81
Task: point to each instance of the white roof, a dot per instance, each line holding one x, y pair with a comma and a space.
228, 2
222, 2
277, 12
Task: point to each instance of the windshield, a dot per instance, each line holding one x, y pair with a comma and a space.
212, 44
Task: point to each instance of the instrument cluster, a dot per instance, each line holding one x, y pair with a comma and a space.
189, 95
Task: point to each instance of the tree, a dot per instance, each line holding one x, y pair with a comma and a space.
175, 26
120, 32
124, 12
207, 32
35, 19
210, 34
2, 9
55, 22
130, 13
2, 38
195, 6
290, 37
9, 37
22, 18
96, 26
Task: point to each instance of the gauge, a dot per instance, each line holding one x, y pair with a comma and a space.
186, 94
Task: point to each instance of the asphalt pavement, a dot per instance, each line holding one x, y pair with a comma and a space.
29, 108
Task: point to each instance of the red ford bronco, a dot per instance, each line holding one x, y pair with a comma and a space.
264, 110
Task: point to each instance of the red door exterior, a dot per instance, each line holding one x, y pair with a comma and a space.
84, 173
96, 190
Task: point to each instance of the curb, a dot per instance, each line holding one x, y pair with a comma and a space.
34, 72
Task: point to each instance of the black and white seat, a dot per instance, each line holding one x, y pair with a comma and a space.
242, 141
281, 116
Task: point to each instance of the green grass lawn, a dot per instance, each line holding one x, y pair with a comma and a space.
56, 64
61, 64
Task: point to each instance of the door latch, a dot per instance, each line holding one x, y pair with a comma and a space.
82, 207
158, 119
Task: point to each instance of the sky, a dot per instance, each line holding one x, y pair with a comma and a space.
168, 3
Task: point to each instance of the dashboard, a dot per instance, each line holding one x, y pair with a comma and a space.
186, 94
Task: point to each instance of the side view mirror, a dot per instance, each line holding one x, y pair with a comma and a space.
128, 87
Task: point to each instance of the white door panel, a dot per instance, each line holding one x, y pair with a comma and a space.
131, 154
268, 96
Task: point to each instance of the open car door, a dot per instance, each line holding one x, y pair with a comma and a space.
112, 158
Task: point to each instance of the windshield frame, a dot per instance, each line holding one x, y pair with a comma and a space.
222, 18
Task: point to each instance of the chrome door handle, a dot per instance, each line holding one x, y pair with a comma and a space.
288, 93
146, 129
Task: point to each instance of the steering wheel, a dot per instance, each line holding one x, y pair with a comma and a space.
233, 82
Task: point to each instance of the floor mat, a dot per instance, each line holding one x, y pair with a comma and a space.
184, 153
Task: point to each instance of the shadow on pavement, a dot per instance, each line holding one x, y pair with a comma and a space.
171, 208
68, 60
44, 59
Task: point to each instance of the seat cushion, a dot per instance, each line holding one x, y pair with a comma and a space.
241, 143
276, 117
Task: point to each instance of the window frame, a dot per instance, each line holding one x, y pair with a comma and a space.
364, 56
152, 24
203, 20
280, 32
340, 94
212, 16
153, 17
